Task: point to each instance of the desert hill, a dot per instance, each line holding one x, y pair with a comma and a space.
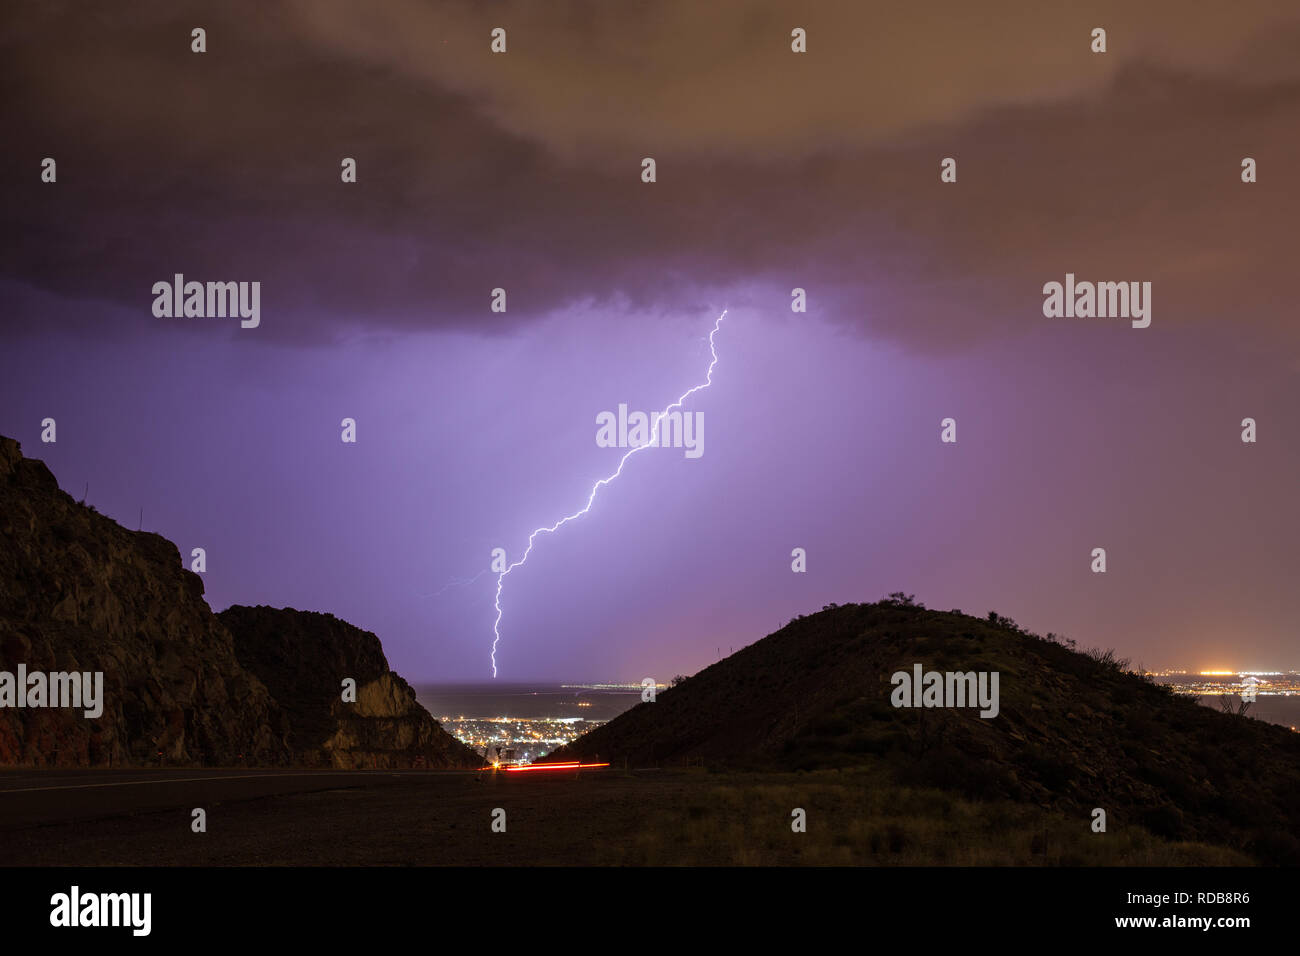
1074, 731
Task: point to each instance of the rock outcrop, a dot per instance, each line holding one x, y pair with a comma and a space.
80, 593
304, 657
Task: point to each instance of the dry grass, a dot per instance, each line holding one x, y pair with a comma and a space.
745, 820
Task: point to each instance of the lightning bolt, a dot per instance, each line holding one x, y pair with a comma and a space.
455, 583
595, 489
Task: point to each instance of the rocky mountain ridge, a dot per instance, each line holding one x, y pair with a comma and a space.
80, 593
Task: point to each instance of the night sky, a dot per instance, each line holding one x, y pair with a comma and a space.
775, 170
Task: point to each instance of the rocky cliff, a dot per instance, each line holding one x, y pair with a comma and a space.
80, 593
304, 657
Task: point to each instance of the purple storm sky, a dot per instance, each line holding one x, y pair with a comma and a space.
821, 429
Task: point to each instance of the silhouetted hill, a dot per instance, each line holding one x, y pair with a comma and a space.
1074, 730
303, 657
78, 592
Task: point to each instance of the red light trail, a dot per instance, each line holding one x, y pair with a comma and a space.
569, 765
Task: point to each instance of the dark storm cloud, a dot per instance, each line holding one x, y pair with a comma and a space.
522, 171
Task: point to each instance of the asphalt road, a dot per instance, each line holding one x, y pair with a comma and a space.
312, 817
43, 797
